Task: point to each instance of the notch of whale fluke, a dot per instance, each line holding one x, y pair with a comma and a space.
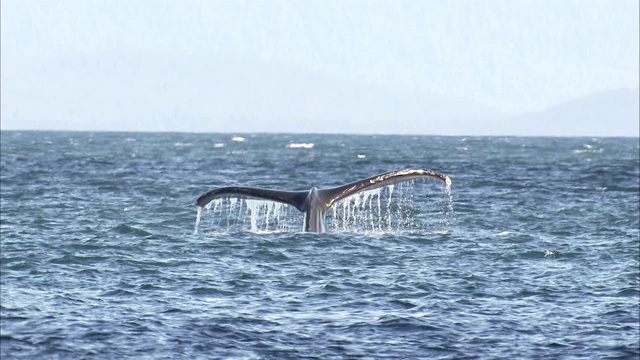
314, 203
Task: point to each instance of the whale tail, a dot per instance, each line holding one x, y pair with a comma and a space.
314, 203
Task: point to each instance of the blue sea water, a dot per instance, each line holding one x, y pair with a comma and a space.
536, 253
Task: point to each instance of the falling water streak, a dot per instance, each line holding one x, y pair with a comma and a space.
240, 202
357, 213
270, 207
373, 225
367, 211
230, 214
198, 214
253, 207
447, 207
391, 188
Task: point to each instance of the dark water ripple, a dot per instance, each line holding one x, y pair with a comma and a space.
541, 258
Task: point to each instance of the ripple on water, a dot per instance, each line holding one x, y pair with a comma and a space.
104, 263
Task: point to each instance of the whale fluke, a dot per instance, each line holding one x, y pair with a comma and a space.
314, 203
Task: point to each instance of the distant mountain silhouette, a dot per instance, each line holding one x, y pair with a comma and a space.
216, 93
128, 91
613, 113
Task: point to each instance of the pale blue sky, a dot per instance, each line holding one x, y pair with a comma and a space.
421, 66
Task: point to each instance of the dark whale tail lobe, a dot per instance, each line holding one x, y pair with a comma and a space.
314, 203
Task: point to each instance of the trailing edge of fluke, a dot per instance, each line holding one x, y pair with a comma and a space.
314, 203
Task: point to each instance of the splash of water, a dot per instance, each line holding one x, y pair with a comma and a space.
198, 215
259, 216
383, 210
395, 208
447, 208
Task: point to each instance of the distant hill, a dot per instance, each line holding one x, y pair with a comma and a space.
215, 93
613, 113
142, 92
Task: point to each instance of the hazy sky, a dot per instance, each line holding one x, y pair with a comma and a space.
278, 65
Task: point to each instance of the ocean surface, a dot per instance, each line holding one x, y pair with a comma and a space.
534, 252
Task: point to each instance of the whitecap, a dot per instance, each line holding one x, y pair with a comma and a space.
301, 146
